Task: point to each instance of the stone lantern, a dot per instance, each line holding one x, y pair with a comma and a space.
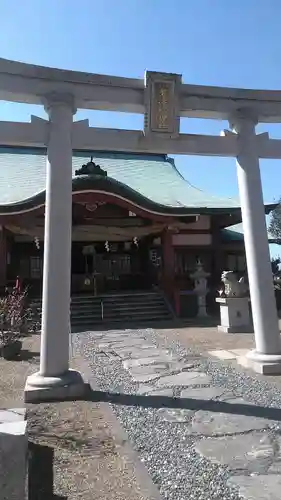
199, 276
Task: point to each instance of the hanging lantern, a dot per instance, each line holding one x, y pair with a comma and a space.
107, 246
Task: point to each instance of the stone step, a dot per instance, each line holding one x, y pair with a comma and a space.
140, 300
117, 307
137, 307
97, 304
116, 295
132, 319
112, 316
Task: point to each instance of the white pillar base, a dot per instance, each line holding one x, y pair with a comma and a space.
66, 387
266, 364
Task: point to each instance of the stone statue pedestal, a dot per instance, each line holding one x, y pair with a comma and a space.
234, 314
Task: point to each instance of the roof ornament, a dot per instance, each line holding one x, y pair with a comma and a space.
91, 169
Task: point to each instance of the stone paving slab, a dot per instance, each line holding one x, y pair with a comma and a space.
12, 415
209, 423
131, 347
150, 390
262, 487
125, 334
249, 452
230, 399
167, 393
228, 355
119, 344
202, 393
130, 363
239, 352
143, 377
138, 353
156, 368
222, 354
123, 347
184, 379
151, 372
177, 415
138, 347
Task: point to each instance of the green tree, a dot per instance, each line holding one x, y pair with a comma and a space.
275, 223
275, 263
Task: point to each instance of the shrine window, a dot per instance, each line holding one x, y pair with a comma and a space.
36, 267
186, 261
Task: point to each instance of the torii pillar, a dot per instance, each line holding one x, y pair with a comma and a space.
55, 380
266, 357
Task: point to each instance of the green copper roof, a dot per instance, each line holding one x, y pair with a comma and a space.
233, 233
152, 177
236, 233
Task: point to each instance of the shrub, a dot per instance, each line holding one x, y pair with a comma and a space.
13, 315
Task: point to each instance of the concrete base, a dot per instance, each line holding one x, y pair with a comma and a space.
236, 329
13, 453
68, 387
234, 314
266, 364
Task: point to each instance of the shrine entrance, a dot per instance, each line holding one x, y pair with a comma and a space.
111, 245
101, 268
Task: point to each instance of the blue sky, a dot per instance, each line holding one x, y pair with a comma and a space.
210, 42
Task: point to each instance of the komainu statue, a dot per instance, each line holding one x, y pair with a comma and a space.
232, 287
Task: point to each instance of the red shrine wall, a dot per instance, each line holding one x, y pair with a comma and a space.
192, 239
178, 250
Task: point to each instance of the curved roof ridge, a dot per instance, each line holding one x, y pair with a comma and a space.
172, 162
152, 177
120, 154
98, 183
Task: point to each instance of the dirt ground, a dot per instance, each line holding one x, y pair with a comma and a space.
208, 338
76, 449
75, 454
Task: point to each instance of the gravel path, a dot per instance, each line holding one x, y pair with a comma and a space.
191, 420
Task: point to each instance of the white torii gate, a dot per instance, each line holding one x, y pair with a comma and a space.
162, 98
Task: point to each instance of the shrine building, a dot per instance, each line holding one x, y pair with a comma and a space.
137, 226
